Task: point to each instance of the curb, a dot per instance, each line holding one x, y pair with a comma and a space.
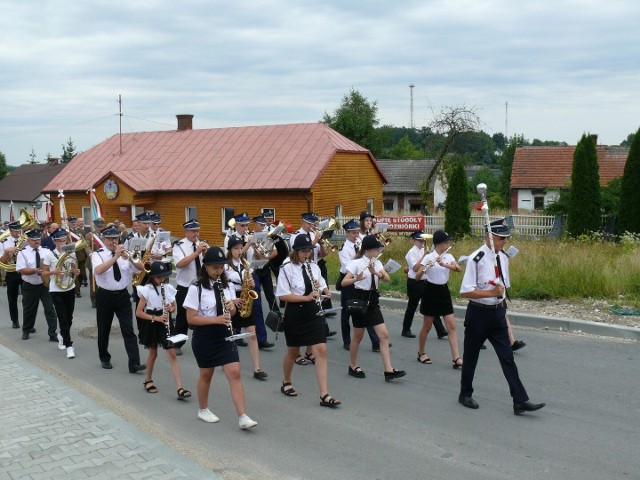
537, 321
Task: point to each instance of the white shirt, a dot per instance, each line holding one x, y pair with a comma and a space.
153, 296
51, 261
355, 266
291, 281
234, 274
346, 254
186, 275
480, 274
27, 259
106, 280
436, 273
413, 256
207, 307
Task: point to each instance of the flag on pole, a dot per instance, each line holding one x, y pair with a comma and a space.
35, 214
11, 216
49, 210
96, 210
63, 209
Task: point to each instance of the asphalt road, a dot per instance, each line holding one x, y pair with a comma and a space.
411, 429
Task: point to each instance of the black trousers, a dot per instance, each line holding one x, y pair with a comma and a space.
32, 295
482, 324
181, 314
415, 291
65, 303
322, 264
264, 274
345, 294
14, 280
109, 303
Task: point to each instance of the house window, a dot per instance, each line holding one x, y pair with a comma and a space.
135, 211
190, 213
538, 203
388, 205
415, 205
227, 214
370, 205
268, 213
86, 215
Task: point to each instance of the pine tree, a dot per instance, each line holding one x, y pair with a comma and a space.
629, 210
68, 151
32, 157
3, 166
457, 216
584, 212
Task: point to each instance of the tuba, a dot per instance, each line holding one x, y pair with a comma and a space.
27, 222
247, 295
139, 277
68, 263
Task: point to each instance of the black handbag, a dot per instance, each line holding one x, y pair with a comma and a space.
339, 282
275, 321
357, 306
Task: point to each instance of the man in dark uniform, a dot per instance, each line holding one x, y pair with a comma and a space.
8, 252
485, 287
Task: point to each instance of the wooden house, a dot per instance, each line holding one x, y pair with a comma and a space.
212, 174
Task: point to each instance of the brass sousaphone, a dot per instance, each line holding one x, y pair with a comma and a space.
27, 222
68, 263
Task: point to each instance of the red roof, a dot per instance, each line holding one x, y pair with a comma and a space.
239, 158
540, 167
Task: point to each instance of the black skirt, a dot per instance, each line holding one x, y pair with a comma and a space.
152, 334
373, 315
210, 347
302, 326
436, 300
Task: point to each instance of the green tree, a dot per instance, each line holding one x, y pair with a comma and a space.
32, 157
457, 216
629, 211
405, 149
3, 166
584, 215
499, 141
68, 151
627, 141
356, 118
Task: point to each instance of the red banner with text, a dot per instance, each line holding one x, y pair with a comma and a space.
403, 224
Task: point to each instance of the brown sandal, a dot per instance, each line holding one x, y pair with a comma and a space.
329, 401
183, 393
290, 391
149, 386
300, 360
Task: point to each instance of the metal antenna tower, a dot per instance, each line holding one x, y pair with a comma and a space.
412, 124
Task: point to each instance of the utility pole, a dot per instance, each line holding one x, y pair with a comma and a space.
120, 116
506, 121
411, 124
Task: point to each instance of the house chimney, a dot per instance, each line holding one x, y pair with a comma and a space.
185, 122
52, 161
595, 138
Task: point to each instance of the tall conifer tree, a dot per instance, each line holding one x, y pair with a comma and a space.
629, 210
584, 212
457, 216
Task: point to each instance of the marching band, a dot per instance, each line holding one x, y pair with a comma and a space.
218, 291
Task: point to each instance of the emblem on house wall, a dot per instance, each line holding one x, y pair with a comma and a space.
110, 189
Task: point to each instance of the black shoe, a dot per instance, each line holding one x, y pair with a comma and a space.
356, 372
178, 351
32, 330
346, 346
331, 333
93, 305
241, 343
25, 336
468, 402
517, 345
137, 368
520, 408
483, 347
106, 365
78, 295
15, 325
53, 338
265, 345
375, 348
443, 335
408, 334
330, 314
260, 375
388, 376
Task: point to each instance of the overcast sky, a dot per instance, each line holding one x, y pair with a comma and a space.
564, 67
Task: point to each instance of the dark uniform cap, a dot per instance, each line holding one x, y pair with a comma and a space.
302, 242
242, 218
34, 234
351, 225
440, 236
260, 219
499, 228
214, 256
310, 217
155, 218
110, 232
58, 234
143, 217
369, 242
160, 269
191, 224
233, 241
99, 221
72, 219
366, 214
417, 235
15, 225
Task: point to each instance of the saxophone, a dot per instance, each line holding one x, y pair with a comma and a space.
247, 295
139, 277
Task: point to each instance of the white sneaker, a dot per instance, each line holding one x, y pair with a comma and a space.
71, 353
61, 342
246, 423
205, 415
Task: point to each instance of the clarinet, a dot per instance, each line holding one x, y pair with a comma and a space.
225, 310
318, 300
165, 311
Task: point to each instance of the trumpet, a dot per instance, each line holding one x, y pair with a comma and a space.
326, 244
386, 241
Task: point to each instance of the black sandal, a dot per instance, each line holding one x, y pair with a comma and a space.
289, 392
457, 365
183, 393
328, 401
310, 357
300, 360
426, 361
149, 386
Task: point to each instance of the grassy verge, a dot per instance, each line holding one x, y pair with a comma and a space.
544, 269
